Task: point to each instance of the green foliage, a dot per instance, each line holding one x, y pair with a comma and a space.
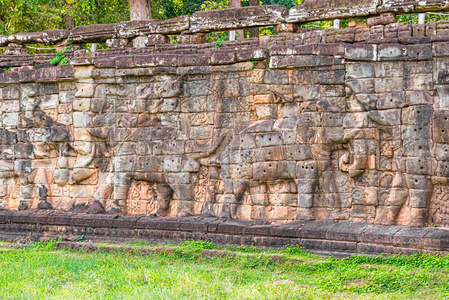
345, 23
39, 48
79, 238
244, 249
255, 62
7, 69
87, 12
287, 3
138, 243
319, 25
259, 262
166, 9
418, 260
27, 15
198, 245
219, 41
44, 246
267, 31
23, 15
215, 4
43, 272
408, 19
61, 59
437, 16
402, 19
430, 17
298, 250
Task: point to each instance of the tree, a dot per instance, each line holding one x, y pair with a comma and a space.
30, 15
68, 18
235, 4
139, 9
254, 32
167, 9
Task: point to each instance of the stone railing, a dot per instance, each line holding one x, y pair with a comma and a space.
192, 29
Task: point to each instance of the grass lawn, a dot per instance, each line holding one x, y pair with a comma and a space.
41, 272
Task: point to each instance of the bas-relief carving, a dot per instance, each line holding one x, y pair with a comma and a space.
404, 158
261, 144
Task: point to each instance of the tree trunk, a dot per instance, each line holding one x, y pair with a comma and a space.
232, 34
68, 18
139, 9
254, 32
235, 3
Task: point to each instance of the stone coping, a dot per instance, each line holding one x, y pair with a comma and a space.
277, 56
328, 236
413, 42
230, 19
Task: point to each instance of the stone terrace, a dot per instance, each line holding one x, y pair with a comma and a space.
339, 129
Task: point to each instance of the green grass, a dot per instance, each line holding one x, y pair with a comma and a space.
41, 272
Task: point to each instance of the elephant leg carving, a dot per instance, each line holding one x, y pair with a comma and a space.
164, 195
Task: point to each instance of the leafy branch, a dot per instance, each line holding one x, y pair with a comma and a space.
61, 59
220, 42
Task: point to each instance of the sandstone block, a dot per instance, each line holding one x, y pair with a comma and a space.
363, 52
383, 19
251, 16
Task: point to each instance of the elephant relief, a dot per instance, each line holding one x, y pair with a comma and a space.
403, 164
153, 176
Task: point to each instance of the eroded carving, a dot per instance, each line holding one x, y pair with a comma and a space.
313, 137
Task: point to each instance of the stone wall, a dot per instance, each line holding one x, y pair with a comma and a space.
299, 126
336, 125
323, 237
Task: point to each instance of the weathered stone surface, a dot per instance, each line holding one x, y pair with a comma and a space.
3, 40
312, 10
97, 33
134, 28
412, 6
45, 37
251, 16
26, 38
174, 25
328, 237
315, 125
383, 19
383, 27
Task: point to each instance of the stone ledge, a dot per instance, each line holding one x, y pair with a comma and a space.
314, 235
297, 49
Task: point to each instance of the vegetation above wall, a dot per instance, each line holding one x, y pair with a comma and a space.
27, 15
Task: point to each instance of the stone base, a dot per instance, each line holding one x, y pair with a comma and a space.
344, 237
